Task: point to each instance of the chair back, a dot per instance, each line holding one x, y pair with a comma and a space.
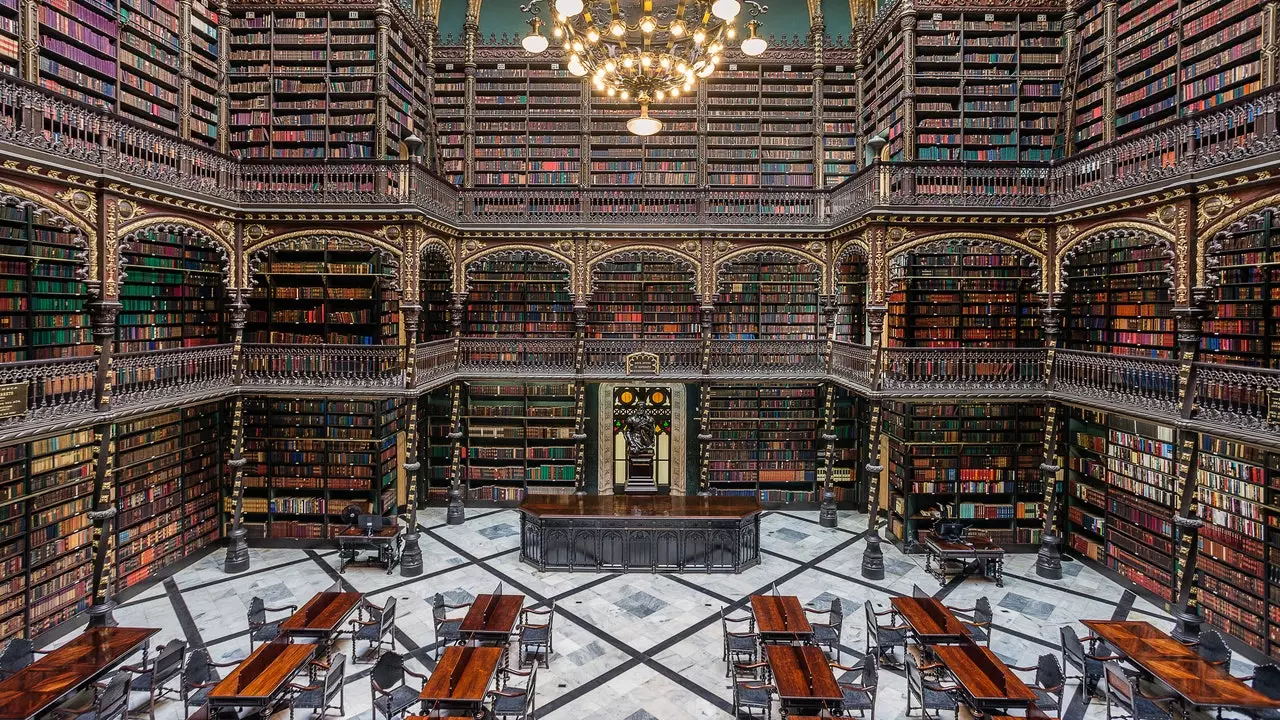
114, 701
387, 617
1048, 672
872, 625
982, 610
334, 676
918, 592
1212, 647
915, 679
388, 672
438, 610
1072, 648
1119, 687
1266, 680
837, 615
198, 670
17, 654
169, 662
870, 678
551, 615
257, 611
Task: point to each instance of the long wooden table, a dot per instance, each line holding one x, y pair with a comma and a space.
977, 552
492, 618
461, 679
930, 621
803, 677
780, 618
51, 679
322, 616
988, 682
258, 680
1178, 666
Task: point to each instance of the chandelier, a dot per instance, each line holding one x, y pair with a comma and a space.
642, 53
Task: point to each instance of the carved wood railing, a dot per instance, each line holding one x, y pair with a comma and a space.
938, 369
433, 360
364, 366
675, 357
516, 357
1147, 383
767, 358
1236, 396
154, 373
57, 388
853, 363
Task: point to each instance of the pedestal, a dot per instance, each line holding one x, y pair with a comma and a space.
411, 556
1188, 628
873, 557
456, 513
237, 551
827, 510
100, 615
1048, 561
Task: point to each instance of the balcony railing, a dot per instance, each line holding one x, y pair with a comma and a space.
36, 119
766, 358
934, 369
853, 363
1236, 396
365, 366
1148, 383
516, 357
434, 360
675, 357
155, 373
55, 388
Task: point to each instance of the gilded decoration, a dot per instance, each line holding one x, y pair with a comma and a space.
1035, 238
1209, 234
80, 201
129, 231
1212, 208
111, 250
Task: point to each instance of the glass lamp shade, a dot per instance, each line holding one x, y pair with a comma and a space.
576, 68
754, 46
726, 9
568, 8
644, 125
534, 43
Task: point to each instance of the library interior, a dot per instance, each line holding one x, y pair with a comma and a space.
601, 358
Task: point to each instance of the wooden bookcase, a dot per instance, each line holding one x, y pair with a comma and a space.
451, 124
883, 109
528, 124
641, 298
79, 50
849, 473
521, 295
518, 439
42, 301
964, 296
1118, 297
434, 446
765, 298
1244, 328
851, 317
9, 37
309, 459
978, 463
840, 124
763, 441
172, 294
1091, 72
435, 291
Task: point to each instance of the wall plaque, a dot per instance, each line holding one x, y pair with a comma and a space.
642, 363
13, 400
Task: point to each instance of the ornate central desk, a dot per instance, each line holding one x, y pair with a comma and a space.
618, 533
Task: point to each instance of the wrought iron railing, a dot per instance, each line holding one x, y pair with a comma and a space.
933, 369
55, 388
371, 366
771, 358
1235, 396
146, 375
1147, 383
516, 356
853, 363
434, 360
675, 357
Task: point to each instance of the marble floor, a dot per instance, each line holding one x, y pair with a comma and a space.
630, 646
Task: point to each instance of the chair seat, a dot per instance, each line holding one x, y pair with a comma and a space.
890, 638
142, 682
534, 636
1046, 700
309, 698
825, 635
503, 705
1145, 709
366, 632
1267, 714
1093, 668
742, 644
977, 633
856, 700
754, 697
198, 696
396, 701
939, 700
266, 633
449, 630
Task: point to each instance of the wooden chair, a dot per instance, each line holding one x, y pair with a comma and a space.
1088, 663
884, 638
1127, 702
932, 696
536, 638
17, 654
198, 679
263, 630
110, 701
740, 646
860, 697
919, 592
1049, 683
827, 635
389, 685
1212, 648
751, 697
1266, 680
378, 630
515, 702
151, 678
979, 623
448, 630
319, 695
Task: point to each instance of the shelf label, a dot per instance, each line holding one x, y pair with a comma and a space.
642, 363
1273, 407
13, 400
502, 66
301, 15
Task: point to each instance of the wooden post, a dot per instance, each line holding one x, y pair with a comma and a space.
237, 559
103, 517
456, 513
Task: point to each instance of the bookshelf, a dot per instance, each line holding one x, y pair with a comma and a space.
840, 124
309, 459
42, 313
9, 21
668, 159
528, 124
650, 297
168, 477
520, 294
1118, 297
434, 447
79, 50
848, 471
325, 293
978, 463
435, 292
450, 110
171, 295
517, 439
883, 111
1088, 124
851, 284
763, 441
766, 297
204, 54
150, 58
1244, 328
964, 295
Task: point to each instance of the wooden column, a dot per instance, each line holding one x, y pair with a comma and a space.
1070, 78
827, 511
1109, 50
29, 40
1270, 43
908, 81
237, 559
103, 517
873, 556
224, 75
456, 513
411, 557
184, 77
470, 36
817, 33
1049, 559
704, 439
579, 438
382, 63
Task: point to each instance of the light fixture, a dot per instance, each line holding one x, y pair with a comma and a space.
534, 42
649, 50
754, 45
644, 125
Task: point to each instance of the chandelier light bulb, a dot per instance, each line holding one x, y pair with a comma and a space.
644, 125
577, 47
731, 32
569, 8
699, 35
648, 24
626, 95
676, 28
661, 95
675, 92
627, 62
726, 9
714, 48
645, 61
665, 62
618, 28
557, 32
593, 35
576, 68
754, 45
608, 68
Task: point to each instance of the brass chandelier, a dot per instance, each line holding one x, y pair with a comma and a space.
642, 53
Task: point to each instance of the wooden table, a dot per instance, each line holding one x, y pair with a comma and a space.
258, 680
931, 622
803, 677
51, 679
780, 618
988, 682
386, 542
322, 616
461, 679
1178, 665
977, 553
492, 618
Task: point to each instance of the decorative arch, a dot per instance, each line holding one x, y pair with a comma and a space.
130, 232
84, 237
302, 239
853, 245
642, 252
1028, 257
512, 252
1206, 264
774, 254
1164, 239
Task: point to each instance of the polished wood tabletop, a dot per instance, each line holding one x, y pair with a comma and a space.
803, 675
463, 675
931, 621
355, 531
1178, 665
978, 546
984, 677
47, 681
492, 615
663, 506
259, 677
324, 613
780, 615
